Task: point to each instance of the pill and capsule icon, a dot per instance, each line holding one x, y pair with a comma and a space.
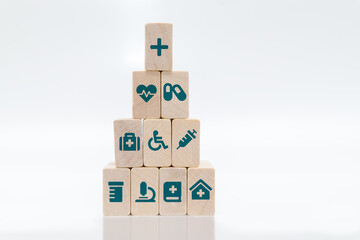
176, 89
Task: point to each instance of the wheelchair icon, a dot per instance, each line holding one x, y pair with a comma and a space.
158, 140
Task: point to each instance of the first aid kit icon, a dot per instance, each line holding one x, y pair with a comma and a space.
129, 142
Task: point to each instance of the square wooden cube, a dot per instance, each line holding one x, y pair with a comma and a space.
173, 191
158, 46
128, 142
157, 142
116, 191
145, 191
175, 94
146, 94
201, 190
185, 142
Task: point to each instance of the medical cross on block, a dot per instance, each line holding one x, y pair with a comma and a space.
129, 143
158, 36
172, 189
159, 47
200, 193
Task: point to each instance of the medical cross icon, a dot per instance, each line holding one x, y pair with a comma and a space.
159, 47
129, 143
200, 193
172, 189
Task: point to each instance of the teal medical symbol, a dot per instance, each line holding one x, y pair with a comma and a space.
129, 142
146, 93
172, 191
200, 191
175, 89
159, 47
157, 140
116, 191
187, 138
144, 193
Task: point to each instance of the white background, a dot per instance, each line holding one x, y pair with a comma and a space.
274, 83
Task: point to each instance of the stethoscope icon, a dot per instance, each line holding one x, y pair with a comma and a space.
176, 89
158, 140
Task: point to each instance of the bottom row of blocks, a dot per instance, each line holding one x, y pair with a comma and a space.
166, 191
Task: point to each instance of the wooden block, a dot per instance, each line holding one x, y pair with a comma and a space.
128, 142
146, 94
174, 228
145, 191
157, 142
173, 191
144, 228
158, 46
185, 142
201, 190
115, 228
201, 228
116, 191
175, 94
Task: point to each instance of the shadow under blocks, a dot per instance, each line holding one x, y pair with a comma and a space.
159, 228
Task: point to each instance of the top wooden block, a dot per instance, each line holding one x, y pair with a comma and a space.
158, 46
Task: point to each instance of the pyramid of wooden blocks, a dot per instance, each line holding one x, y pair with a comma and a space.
157, 168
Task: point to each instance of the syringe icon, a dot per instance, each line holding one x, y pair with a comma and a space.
187, 138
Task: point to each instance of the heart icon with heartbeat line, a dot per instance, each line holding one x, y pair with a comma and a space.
146, 93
